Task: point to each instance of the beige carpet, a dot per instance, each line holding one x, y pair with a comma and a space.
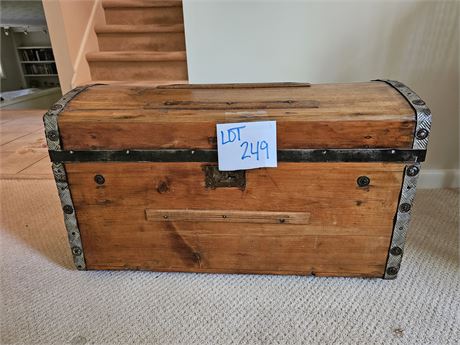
45, 301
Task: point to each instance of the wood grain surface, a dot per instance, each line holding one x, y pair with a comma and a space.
259, 217
348, 232
359, 115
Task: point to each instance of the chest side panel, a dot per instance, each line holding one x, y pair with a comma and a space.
336, 227
359, 115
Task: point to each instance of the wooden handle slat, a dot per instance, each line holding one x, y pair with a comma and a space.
227, 216
233, 86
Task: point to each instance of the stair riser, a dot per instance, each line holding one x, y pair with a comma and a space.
149, 15
153, 41
138, 70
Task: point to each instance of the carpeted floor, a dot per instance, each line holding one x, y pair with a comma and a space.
45, 301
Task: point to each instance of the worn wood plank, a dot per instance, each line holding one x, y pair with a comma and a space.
14, 162
229, 216
34, 141
234, 86
356, 115
348, 232
319, 255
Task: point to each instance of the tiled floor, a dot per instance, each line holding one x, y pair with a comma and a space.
23, 150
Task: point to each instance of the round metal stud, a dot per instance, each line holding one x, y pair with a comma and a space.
76, 251
53, 136
405, 207
396, 251
56, 107
412, 170
68, 209
418, 102
422, 134
363, 181
392, 271
99, 179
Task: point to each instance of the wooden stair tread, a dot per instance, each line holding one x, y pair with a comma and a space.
136, 56
141, 3
109, 29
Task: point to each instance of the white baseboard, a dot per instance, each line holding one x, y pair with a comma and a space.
439, 178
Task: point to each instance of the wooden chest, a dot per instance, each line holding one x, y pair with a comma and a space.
136, 173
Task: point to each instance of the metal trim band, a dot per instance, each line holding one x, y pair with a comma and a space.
423, 113
188, 155
50, 120
70, 219
402, 221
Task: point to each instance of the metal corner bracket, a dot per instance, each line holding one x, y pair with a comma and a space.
53, 140
50, 119
402, 220
70, 220
423, 113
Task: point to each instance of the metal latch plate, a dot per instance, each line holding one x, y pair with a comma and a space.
226, 179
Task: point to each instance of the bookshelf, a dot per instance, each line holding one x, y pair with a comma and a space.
38, 66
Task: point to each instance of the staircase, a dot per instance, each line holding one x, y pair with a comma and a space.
142, 40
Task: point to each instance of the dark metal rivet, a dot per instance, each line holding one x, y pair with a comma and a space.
363, 181
396, 251
165, 217
392, 271
68, 209
224, 216
56, 107
282, 220
422, 134
398, 84
76, 251
412, 170
53, 135
99, 179
405, 207
418, 102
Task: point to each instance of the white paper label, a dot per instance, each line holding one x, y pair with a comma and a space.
246, 145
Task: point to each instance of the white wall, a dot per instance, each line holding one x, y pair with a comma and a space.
338, 41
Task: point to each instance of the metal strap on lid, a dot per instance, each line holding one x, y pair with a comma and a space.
423, 113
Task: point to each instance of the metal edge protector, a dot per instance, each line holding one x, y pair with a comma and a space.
70, 219
423, 113
402, 220
50, 120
